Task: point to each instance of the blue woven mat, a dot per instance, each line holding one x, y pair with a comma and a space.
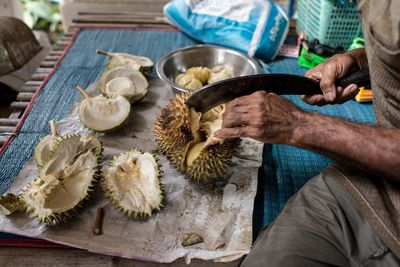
285, 168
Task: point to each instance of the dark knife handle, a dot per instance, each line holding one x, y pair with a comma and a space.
360, 78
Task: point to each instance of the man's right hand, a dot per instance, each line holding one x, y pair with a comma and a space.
328, 72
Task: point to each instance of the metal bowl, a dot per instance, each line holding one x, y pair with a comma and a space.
178, 61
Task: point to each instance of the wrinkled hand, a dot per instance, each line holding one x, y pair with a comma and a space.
263, 116
327, 73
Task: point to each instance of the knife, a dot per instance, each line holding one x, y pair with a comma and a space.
282, 84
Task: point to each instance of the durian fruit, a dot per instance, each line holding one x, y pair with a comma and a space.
142, 64
101, 113
186, 138
188, 81
132, 184
219, 73
46, 145
200, 73
64, 182
126, 82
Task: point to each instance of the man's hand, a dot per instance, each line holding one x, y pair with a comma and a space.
328, 72
263, 116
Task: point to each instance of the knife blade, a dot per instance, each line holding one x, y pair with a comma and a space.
282, 84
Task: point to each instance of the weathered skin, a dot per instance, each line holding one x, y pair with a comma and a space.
272, 119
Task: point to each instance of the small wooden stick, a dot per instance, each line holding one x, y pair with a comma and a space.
98, 224
83, 92
104, 53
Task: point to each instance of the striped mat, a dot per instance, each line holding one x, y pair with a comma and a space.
285, 168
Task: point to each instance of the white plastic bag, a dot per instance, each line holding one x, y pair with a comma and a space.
257, 27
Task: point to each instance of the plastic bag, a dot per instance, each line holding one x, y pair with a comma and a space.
256, 27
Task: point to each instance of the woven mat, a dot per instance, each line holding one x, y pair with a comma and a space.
285, 168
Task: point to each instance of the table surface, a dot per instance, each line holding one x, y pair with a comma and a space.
275, 189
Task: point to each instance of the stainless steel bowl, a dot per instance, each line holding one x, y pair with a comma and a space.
178, 61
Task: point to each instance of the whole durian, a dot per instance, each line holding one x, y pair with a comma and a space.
142, 64
186, 138
63, 183
101, 113
46, 145
132, 183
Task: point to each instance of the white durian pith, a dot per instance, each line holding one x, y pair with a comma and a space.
65, 180
46, 145
122, 81
186, 138
102, 114
132, 183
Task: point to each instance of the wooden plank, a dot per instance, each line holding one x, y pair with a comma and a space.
47, 64
29, 88
7, 129
43, 70
25, 96
33, 83
3, 139
15, 115
19, 105
8, 122
38, 76
51, 58
55, 53
119, 20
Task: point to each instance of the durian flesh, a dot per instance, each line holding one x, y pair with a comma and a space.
125, 82
186, 138
65, 180
132, 183
103, 114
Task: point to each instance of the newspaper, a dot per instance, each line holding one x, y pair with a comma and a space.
221, 214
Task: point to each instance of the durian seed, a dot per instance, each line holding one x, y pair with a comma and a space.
190, 239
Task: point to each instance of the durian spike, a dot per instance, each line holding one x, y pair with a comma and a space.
104, 53
83, 92
53, 128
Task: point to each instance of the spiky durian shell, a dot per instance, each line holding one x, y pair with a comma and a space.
174, 136
95, 147
173, 132
213, 162
112, 195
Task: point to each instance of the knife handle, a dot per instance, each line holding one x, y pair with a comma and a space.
360, 78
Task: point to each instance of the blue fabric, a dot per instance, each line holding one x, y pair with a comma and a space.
232, 24
286, 169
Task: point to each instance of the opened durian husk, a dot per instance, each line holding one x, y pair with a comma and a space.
132, 184
122, 81
103, 114
63, 184
46, 145
143, 64
186, 138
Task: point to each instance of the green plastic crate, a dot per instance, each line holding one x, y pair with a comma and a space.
329, 21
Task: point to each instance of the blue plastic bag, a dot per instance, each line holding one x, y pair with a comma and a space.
256, 27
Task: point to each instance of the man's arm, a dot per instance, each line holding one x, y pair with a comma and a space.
366, 148
272, 119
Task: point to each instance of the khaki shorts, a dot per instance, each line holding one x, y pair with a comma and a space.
320, 226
